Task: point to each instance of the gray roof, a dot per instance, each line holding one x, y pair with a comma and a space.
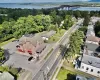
93, 47
41, 47
6, 76
33, 39
78, 77
49, 34
91, 60
90, 30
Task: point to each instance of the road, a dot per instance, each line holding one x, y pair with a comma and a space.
52, 60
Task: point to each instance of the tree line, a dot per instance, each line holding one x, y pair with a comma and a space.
31, 24
76, 42
97, 28
56, 14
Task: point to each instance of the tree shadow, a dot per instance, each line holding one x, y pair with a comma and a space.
71, 77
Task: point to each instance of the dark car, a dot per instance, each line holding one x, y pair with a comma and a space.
30, 58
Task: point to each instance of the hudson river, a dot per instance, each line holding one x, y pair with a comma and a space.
39, 6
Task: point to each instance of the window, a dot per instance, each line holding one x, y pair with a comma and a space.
98, 72
82, 67
87, 68
91, 70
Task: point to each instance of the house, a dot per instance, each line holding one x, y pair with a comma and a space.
30, 43
90, 31
90, 59
78, 77
48, 35
6, 76
90, 64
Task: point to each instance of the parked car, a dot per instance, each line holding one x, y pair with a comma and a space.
30, 58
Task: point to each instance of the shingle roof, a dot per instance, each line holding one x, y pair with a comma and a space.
93, 47
33, 39
92, 50
90, 31
78, 77
91, 60
6, 76
93, 38
41, 47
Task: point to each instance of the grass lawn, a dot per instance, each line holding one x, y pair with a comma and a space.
65, 75
57, 36
68, 64
5, 42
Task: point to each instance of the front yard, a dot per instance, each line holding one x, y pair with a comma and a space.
66, 75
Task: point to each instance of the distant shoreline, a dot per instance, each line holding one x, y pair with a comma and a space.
81, 6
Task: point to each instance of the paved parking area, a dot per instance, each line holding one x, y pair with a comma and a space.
11, 47
20, 60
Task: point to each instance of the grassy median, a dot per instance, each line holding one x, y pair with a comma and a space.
57, 36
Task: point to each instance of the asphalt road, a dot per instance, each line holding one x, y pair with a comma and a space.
52, 60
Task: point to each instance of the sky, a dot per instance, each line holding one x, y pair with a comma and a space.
25, 1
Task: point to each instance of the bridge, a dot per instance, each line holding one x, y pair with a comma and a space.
66, 7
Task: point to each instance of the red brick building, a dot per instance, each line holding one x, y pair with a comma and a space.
29, 44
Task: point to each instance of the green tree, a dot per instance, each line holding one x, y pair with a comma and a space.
77, 14
86, 20
68, 22
97, 28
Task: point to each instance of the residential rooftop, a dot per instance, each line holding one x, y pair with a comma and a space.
91, 60
93, 47
78, 77
90, 31
92, 39
33, 39
6, 76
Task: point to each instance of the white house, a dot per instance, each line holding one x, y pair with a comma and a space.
90, 64
78, 77
90, 60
